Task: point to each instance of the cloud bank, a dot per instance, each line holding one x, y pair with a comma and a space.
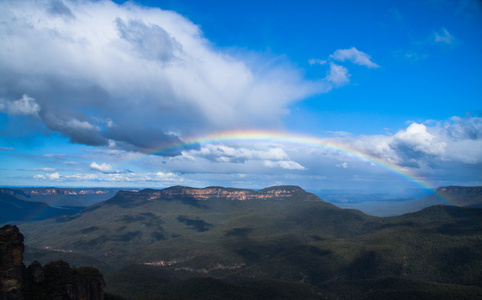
428, 145
447, 151
136, 78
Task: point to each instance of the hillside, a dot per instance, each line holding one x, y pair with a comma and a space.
165, 239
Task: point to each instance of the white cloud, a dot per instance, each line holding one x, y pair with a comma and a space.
355, 56
376, 145
104, 168
338, 74
76, 124
316, 61
26, 106
163, 178
456, 140
239, 154
85, 62
443, 36
283, 164
82, 177
151, 42
159, 177
418, 138
169, 177
51, 176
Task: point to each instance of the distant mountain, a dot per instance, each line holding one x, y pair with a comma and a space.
161, 242
59, 197
192, 196
463, 196
13, 209
150, 220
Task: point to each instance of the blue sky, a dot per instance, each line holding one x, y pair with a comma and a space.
89, 90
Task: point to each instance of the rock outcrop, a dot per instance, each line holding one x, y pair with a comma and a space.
56, 280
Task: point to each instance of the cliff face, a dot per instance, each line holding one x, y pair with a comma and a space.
181, 192
56, 280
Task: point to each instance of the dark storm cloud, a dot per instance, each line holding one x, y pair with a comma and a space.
145, 140
79, 131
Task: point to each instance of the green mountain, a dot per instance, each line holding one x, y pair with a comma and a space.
264, 244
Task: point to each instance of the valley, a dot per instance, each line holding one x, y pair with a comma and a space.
164, 243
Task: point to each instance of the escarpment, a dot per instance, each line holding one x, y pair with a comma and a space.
181, 192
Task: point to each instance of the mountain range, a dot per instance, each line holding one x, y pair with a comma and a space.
40, 203
278, 242
15, 210
385, 205
59, 197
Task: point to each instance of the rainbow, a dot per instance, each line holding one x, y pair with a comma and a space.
253, 137
272, 138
